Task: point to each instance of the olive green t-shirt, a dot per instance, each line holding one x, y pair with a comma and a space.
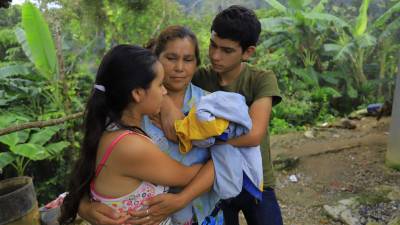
253, 84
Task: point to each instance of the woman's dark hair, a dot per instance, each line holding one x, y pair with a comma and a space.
171, 33
123, 68
238, 23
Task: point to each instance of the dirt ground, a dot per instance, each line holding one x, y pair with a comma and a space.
334, 163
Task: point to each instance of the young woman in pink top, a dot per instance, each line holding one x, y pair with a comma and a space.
119, 165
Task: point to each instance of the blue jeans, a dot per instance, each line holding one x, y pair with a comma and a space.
266, 212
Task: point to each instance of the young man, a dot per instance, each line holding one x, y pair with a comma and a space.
234, 35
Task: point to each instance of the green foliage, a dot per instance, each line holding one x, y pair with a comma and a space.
332, 56
279, 126
362, 19
39, 40
328, 60
28, 145
13, 70
387, 15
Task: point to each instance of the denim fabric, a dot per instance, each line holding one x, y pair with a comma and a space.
266, 212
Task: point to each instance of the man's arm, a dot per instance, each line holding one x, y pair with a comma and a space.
259, 112
162, 206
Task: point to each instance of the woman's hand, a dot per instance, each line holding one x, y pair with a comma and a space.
100, 214
169, 113
160, 208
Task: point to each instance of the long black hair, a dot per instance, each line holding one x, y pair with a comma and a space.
123, 68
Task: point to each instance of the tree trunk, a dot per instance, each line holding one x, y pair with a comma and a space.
382, 70
393, 152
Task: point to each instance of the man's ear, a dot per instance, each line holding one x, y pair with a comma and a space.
137, 94
248, 53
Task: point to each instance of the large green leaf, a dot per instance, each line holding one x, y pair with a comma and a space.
340, 52
362, 19
56, 148
13, 70
21, 37
44, 135
6, 158
331, 92
351, 91
298, 4
10, 139
390, 29
332, 47
326, 17
308, 75
14, 138
276, 24
366, 40
320, 7
39, 40
385, 16
272, 41
31, 151
276, 5
330, 77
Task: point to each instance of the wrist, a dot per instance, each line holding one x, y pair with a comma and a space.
82, 209
183, 199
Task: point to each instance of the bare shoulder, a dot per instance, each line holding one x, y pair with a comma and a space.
134, 146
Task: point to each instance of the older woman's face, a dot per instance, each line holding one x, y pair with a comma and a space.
179, 62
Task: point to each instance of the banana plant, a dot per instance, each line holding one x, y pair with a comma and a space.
301, 30
37, 43
26, 146
353, 46
387, 27
300, 27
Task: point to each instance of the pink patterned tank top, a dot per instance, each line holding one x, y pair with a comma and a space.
134, 200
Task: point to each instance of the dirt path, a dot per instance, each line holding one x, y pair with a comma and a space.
334, 164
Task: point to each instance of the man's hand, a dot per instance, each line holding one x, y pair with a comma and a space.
100, 214
160, 207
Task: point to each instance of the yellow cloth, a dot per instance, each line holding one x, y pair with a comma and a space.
190, 128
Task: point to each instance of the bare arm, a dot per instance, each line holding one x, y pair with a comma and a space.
142, 159
145, 162
260, 112
161, 206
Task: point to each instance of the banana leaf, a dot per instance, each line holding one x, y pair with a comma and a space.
276, 5
40, 41
362, 19
6, 158
13, 70
386, 15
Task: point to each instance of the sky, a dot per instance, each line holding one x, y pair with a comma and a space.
18, 2
14, 2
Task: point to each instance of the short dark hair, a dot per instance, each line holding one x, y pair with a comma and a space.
172, 33
238, 23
